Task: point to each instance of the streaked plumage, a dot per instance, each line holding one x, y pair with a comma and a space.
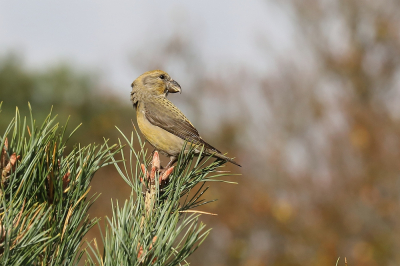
160, 121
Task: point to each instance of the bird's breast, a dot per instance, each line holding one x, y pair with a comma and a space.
161, 139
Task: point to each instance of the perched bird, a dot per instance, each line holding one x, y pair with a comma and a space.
161, 122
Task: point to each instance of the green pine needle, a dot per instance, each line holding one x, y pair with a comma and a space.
43, 218
170, 234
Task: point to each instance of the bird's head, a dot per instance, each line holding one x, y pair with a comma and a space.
153, 83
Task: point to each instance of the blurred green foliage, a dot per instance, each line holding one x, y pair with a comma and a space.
318, 136
71, 92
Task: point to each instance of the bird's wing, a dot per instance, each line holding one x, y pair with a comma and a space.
164, 114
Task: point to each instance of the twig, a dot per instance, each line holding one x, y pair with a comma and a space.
151, 194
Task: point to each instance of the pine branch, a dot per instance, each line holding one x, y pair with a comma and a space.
43, 196
158, 224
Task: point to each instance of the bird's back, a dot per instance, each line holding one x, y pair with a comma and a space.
167, 104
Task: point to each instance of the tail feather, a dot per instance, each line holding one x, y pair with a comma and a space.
216, 153
223, 157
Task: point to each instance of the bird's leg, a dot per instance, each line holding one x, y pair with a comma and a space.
151, 156
172, 159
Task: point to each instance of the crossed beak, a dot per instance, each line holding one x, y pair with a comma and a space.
174, 87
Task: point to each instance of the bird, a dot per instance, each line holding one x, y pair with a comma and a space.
163, 125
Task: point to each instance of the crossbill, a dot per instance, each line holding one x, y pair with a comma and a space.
161, 122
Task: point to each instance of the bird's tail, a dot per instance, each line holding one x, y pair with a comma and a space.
223, 157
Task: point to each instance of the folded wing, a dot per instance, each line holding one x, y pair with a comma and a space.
164, 114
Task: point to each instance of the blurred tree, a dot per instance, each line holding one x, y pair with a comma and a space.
340, 132
71, 91
318, 137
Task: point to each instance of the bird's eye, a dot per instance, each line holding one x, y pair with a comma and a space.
162, 77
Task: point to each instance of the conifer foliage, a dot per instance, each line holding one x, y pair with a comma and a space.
44, 200
159, 223
43, 196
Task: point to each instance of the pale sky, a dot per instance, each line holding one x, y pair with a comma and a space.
101, 35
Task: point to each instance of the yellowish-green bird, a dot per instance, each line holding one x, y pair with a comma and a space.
161, 122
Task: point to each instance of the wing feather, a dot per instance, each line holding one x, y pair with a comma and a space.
164, 114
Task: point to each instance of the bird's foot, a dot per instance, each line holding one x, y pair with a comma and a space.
164, 175
156, 170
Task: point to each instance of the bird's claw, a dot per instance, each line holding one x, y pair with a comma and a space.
156, 168
165, 173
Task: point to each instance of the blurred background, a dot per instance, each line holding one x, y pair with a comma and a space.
305, 94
